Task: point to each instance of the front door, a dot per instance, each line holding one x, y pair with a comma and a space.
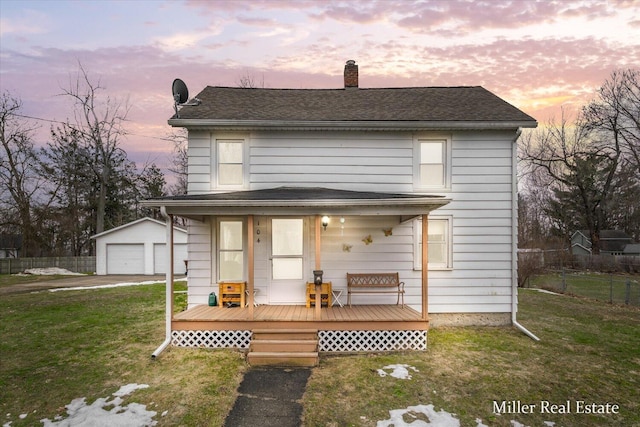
287, 261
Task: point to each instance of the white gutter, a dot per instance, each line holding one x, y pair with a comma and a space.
169, 283
514, 238
351, 125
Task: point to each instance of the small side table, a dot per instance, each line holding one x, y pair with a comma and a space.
337, 293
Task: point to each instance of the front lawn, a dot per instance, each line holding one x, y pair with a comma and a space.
59, 346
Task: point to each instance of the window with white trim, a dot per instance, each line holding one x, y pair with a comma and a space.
431, 163
230, 162
439, 241
230, 250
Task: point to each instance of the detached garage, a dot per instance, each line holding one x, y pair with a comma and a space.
139, 247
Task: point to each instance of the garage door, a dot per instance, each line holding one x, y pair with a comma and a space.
125, 259
160, 258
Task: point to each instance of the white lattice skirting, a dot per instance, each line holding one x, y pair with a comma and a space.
211, 339
351, 341
329, 341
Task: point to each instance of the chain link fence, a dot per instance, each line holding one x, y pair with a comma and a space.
609, 287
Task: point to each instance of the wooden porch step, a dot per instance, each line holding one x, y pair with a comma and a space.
285, 334
284, 345
259, 358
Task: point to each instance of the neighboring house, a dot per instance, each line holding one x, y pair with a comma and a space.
139, 247
269, 167
612, 242
10, 245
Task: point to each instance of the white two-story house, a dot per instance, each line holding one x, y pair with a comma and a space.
285, 182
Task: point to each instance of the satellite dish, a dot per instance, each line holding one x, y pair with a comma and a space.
180, 91
181, 96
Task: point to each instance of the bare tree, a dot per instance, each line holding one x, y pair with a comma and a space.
20, 182
248, 81
615, 114
99, 126
580, 175
180, 162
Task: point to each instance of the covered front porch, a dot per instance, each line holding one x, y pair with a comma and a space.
366, 327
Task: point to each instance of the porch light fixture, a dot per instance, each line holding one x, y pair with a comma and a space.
325, 222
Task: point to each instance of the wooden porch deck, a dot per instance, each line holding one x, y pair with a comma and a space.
356, 317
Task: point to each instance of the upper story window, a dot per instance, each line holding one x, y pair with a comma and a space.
230, 155
431, 163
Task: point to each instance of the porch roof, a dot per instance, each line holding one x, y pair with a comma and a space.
299, 201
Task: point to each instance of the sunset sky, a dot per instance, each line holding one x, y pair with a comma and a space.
537, 55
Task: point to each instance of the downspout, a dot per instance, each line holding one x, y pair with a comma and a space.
169, 283
514, 237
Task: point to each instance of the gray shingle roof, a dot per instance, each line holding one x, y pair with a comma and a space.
299, 201
423, 104
299, 193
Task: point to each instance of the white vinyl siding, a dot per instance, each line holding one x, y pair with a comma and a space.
341, 160
199, 162
478, 180
201, 262
481, 180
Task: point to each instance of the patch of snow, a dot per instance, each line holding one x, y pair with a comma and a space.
440, 418
544, 291
97, 414
49, 271
112, 285
398, 371
128, 389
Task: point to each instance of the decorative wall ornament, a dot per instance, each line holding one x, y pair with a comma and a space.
346, 248
368, 240
388, 231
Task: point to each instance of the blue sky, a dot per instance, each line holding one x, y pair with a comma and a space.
538, 55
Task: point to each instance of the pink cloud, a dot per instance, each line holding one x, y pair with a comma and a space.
260, 22
535, 75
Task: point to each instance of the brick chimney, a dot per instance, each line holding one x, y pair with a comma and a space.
350, 74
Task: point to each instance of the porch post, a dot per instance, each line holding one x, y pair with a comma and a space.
250, 279
318, 315
425, 266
